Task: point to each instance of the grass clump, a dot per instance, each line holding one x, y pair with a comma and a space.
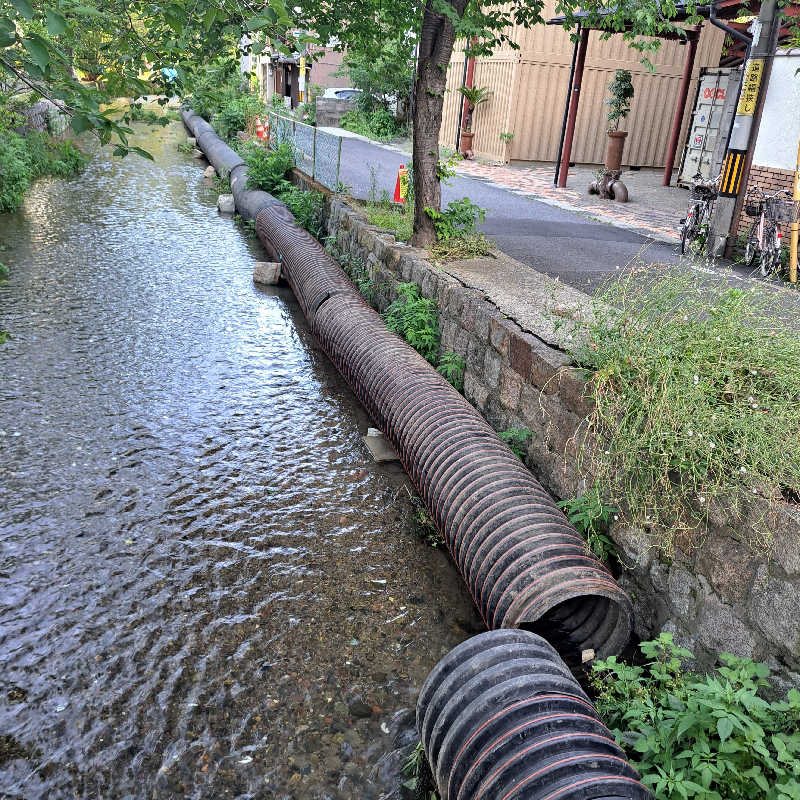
418, 776
415, 319
714, 737
459, 248
696, 390
400, 221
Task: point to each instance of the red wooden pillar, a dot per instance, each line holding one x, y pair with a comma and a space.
573, 107
677, 120
469, 81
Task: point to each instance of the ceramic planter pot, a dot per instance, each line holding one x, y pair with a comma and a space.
616, 144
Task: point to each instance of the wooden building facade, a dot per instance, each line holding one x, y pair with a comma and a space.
529, 89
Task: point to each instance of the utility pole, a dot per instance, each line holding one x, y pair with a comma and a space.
765, 36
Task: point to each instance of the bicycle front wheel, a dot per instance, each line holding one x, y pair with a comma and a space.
751, 248
685, 238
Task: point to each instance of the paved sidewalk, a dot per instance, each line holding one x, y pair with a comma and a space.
658, 223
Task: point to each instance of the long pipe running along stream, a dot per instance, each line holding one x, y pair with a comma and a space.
526, 566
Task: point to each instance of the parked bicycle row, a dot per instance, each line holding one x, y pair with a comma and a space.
763, 246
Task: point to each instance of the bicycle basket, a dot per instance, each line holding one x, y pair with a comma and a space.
780, 210
753, 207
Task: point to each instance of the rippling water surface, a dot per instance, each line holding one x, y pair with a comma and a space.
207, 589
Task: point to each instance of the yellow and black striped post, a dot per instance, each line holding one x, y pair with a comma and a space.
732, 171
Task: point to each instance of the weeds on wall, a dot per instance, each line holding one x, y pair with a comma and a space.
714, 737
451, 368
356, 270
696, 390
306, 206
517, 440
415, 319
591, 517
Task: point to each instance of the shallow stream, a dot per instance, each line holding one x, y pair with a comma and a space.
207, 588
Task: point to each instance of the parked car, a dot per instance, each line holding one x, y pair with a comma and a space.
341, 94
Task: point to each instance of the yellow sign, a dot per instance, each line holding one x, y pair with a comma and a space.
750, 87
302, 63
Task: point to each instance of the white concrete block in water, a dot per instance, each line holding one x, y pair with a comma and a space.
378, 445
210, 172
267, 272
225, 204
192, 141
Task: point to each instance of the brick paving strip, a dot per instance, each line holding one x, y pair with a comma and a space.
538, 182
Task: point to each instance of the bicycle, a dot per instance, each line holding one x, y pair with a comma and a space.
764, 239
694, 226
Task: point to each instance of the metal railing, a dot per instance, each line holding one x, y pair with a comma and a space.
318, 153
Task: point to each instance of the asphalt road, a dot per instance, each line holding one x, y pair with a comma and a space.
560, 243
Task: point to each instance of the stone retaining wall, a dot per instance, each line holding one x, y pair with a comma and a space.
721, 597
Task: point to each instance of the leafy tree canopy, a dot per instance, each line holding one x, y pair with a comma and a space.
86, 53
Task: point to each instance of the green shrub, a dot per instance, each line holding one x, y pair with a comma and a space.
696, 395
591, 517
267, 169
378, 124
15, 176
24, 159
306, 207
713, 737
451, 368
517, 439
458, 220
415, 319
236, 114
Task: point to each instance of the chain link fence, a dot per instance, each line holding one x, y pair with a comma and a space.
318, 154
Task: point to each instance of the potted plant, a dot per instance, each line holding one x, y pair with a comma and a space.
474, 96
506, 138
619, 103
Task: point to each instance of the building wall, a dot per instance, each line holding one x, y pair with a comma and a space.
323, 69
775, 151
779, 131
530, 86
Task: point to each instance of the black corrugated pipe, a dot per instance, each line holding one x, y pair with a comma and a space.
227, 161
525, 565
502, 718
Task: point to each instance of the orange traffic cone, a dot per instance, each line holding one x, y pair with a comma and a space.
259, 129
401, 185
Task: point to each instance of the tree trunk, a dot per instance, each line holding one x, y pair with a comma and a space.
435, 48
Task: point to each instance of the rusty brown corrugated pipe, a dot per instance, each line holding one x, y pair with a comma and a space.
525, 564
